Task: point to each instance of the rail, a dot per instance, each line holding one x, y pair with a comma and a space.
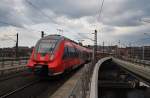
20, 88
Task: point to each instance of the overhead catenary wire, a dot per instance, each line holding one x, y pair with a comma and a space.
85, 37
17, 26
11, 24
100, 10
38, 9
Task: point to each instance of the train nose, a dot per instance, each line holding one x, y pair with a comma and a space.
44, 58
41, 70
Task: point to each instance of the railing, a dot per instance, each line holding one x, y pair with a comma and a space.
8, 65
138, 61
94, 81
82, 87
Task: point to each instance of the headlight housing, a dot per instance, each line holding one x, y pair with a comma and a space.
51, 57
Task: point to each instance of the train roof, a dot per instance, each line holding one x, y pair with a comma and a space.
59, 37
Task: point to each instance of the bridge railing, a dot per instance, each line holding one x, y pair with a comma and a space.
82, 87
94, 79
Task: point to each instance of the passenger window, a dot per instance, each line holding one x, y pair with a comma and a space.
69, 51
65, 55
73, 51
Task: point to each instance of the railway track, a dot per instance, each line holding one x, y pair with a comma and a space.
32, 87
13, 75
19, 89
14, 82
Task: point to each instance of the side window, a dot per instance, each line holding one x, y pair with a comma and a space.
72, 52
65, 55
69, 51
79, 53
76, 52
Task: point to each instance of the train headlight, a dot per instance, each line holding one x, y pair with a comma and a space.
52, 57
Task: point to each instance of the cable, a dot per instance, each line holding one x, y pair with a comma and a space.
81, 35
39, 10
36, 8
1, 22
140, 40
100, 10
22, 27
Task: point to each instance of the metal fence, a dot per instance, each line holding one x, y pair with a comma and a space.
135, 54
136, 61
9, 65
13, 61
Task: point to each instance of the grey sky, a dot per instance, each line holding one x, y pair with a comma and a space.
120, 20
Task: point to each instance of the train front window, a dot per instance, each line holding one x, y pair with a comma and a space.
46, 46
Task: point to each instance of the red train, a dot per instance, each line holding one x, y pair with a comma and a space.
54, 54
